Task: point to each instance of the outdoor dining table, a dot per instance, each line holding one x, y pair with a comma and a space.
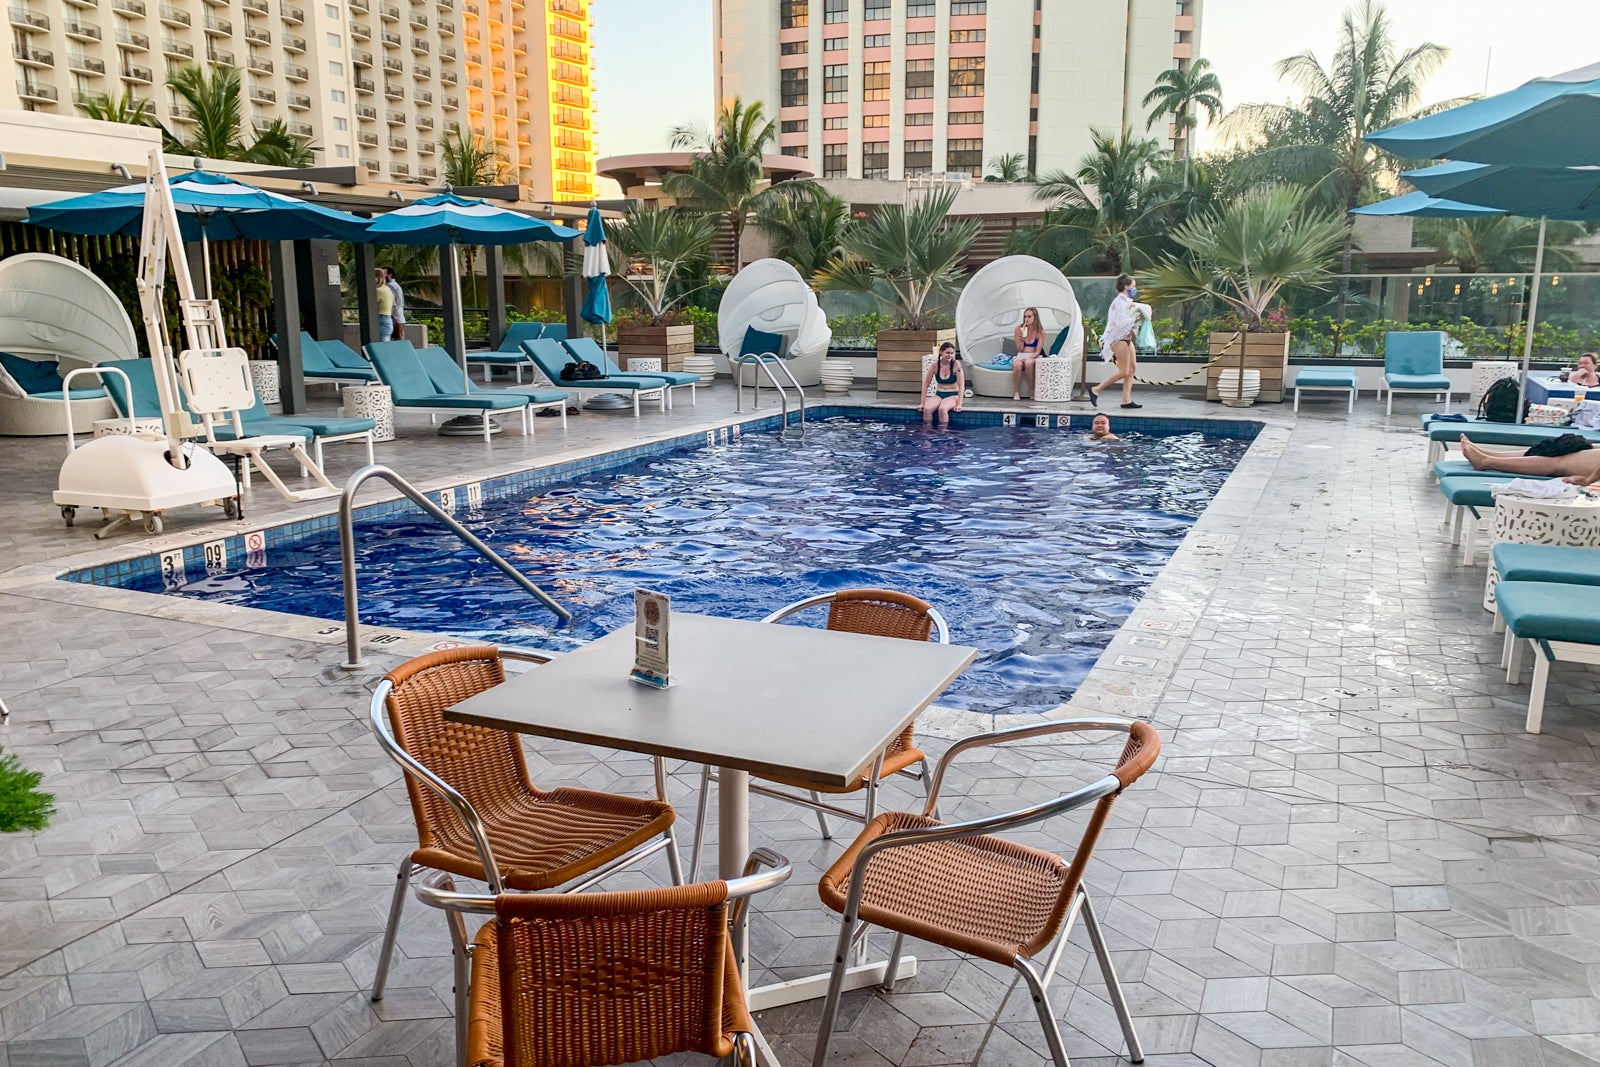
807, 705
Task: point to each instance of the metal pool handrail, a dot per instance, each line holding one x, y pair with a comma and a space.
347, 553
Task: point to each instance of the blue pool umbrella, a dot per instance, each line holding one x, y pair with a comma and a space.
1423, 206
1547, 122
449, 221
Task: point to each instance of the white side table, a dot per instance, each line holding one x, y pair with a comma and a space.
1052, 379
373, 402
642, 364
1525, 521
264, 377
119, 427
1484, 374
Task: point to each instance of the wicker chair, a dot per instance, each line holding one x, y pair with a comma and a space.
479, 815
956, 885
880, 613
592, 979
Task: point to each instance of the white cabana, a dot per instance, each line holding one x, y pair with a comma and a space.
770, 295
991, 307
54, 311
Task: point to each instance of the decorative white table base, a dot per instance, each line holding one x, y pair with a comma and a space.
119, 427
1052, 379
1523, 521
371, 402
264, 377
643, 364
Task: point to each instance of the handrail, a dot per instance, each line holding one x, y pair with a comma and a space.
98, 372
764, 364
347, 554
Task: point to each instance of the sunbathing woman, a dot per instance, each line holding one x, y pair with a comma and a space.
1029, 339
949, 379
1579, 468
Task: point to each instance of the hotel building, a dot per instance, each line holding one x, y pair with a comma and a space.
906, 88
376, 83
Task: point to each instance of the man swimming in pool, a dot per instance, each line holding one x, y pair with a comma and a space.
1100, 429
949, 380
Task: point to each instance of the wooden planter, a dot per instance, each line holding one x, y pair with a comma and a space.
1264, 352
670, 344
900, 355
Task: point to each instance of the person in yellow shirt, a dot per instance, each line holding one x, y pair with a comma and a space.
385, 306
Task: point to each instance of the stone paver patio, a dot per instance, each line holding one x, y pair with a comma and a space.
1350, 853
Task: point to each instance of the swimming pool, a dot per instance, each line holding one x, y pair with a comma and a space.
1033, 542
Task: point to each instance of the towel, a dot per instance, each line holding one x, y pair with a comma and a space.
1454, 416
1536, 489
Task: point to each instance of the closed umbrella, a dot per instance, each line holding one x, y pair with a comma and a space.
1547, 122
596, 271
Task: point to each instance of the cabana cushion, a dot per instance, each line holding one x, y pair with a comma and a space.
1546, 611
1556, 564
761, 343
34, 376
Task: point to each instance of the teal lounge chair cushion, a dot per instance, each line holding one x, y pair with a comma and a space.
1460, 468
344, 357
1470, 492
1502, 433
1550, 612
518, 332
1413, 354
1558, 564
585, 348
445, 373
1325, 378
263, 427
552, 355
554, 331
1417, 381
500, 359
142, 378
1061, 340
409, 384
77, 394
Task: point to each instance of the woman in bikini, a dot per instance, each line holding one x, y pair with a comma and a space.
1122, 323
949, 381
1029, 339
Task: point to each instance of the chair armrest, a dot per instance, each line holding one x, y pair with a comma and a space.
1000, 737
464, 810
741, 889
432, 891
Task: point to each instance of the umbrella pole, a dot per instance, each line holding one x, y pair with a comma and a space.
1533, 316
205, 258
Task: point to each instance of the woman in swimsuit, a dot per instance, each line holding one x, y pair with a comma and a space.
1122, 323
949, 380
1029, 340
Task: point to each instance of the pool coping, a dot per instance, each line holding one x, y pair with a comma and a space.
1127, 678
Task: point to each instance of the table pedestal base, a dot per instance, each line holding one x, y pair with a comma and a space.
815, 986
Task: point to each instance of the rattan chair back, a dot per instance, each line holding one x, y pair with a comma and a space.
485, 766
881, 613
592, 979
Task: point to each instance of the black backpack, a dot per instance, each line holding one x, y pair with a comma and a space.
1499, 403
581, 371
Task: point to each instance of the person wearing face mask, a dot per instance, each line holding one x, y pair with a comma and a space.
1122, 323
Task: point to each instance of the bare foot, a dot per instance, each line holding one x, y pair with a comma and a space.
1474, 455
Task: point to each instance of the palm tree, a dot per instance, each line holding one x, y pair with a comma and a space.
725, 177
470, 159
126, 109
1247, 253
913, 249
804, 224
216, 106
672, 243
1495, 245
1110, 215
1012, 167
276, 146
1176, 94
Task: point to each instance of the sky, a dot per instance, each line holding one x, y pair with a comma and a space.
653, 57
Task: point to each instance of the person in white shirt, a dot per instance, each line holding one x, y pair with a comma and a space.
1116, 345
393, 284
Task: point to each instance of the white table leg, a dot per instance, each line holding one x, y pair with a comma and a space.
733, 844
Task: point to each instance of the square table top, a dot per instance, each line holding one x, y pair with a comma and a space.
808, 704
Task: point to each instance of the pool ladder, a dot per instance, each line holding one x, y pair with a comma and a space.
347, 553
766, 361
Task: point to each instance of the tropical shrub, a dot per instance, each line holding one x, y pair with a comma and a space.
904, 255
22, 805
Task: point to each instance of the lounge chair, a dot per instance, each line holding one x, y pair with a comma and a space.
990, 307
55, 317
445, 374
411, 388
585, 348
509, 352
1327, 379
993, 376
770, 295
550, 356
1561, 621
1413, 362
1468, 493
32, 395
1441, 435
316, 430
1556, 564
331, 361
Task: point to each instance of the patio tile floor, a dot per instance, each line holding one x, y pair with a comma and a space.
1350, 854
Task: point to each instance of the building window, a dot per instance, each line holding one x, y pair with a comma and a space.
919, 158
335, 41
966, 118
794, 150
836, 122
966, 76
966, 36
876, 40
875, 81
919, 79
969, 7
341, 123
920, 37
794, 48
920, 118
835, 10
794, 14
335, 68
793, 87
872, 122
877, 9
795, 125
835, 44
342, 151
965, 156
835, 83
835, 161
336, 95
920, 9
875, 159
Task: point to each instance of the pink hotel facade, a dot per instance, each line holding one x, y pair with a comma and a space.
898, 89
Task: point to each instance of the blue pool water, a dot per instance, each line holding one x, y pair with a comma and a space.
1034, 543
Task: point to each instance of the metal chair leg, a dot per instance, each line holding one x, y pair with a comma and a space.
927, 786
1047, 1016
830, 1005
402, 883
674, 861
700, 823
461, 950
1113, 985
744, 1050
891, 970
822, 820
